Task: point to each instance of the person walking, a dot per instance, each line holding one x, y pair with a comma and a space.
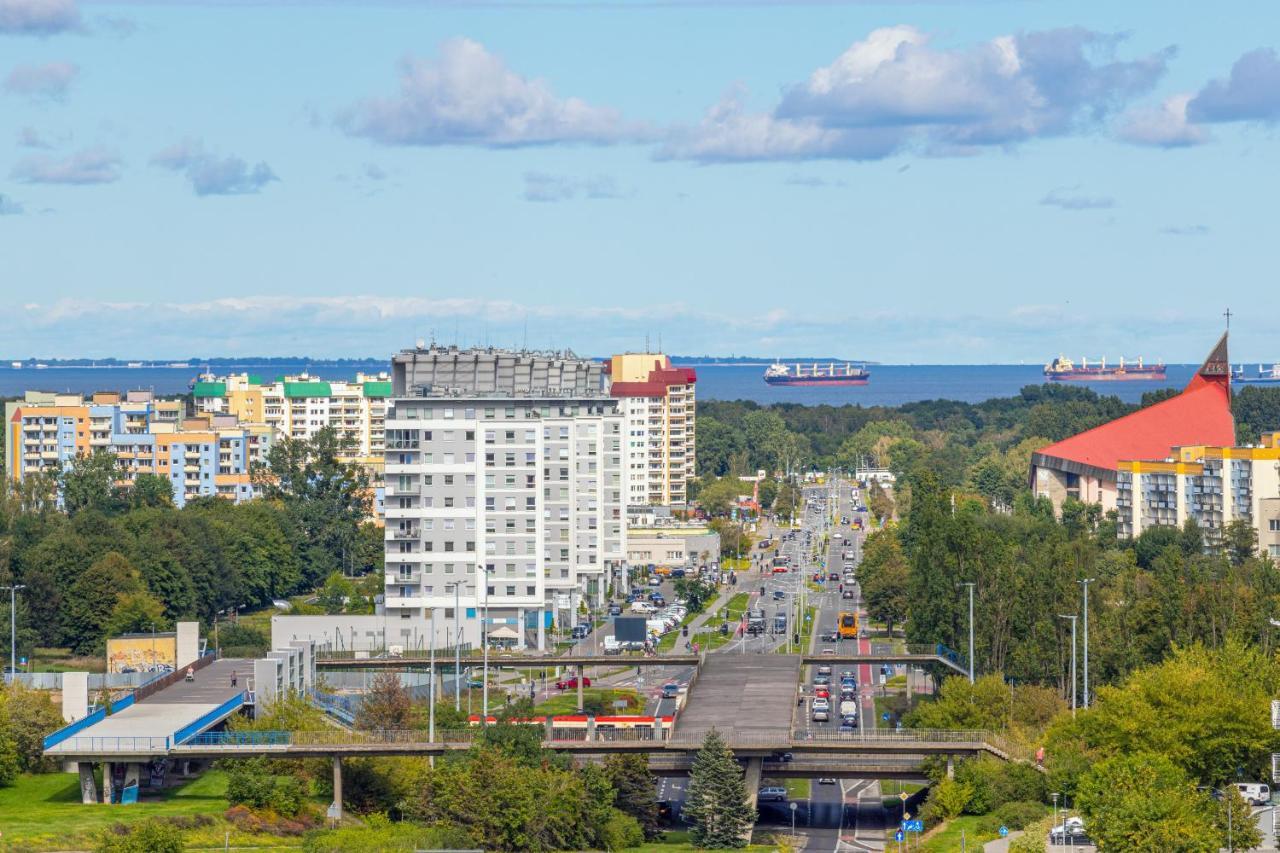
233, 678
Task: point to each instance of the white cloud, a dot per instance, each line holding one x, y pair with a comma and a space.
88, 166
1251, 93
213, 175
894, 90
38, 17
1165, 126
468, 96
49, 81
541, 186
1069, 198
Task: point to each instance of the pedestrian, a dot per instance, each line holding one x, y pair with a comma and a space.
233, 678
191, 674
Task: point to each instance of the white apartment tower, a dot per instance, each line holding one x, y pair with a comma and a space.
503, 491
659, 406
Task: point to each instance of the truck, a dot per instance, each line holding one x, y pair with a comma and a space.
848, 708
755, 622
612, 646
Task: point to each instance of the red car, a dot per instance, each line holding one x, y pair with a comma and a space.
822, 692
780, 570
572, 683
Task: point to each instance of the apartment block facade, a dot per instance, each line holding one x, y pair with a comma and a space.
504, 492
201, 457
1213, 486
659, 405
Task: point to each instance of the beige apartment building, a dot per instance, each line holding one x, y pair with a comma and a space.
659, 403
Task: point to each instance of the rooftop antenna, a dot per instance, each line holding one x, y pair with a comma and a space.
1228, 316
646, 341
524, 342
659, 341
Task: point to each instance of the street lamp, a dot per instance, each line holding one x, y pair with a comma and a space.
484, 639
1073, 618
1084, 586
13, 629
971, 585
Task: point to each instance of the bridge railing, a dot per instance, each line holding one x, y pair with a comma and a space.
124, 745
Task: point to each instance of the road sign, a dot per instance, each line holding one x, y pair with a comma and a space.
903, 795
1004, 831
913, 826
885, 716
898, 836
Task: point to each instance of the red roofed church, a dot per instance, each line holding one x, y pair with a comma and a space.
1084, 466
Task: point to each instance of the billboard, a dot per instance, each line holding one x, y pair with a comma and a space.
629, 629
142, 653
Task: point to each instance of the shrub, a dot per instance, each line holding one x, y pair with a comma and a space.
1020, 814
996, 782
250, 783
1034, 838
149, 836
947, 799
621, 831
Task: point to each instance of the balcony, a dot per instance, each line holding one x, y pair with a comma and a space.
408, 534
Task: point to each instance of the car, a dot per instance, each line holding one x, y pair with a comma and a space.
824, 669
655, 581
817, 577
828, 651
821, 715
821, 692
826, 780
571, 683
833, 576
820, 703
780, 570
670, 690
848, 693
615, 609
772, 795
822, 680
656, 597
848, 593
782, 756
677, 573
580, 631
1254, 793
831, 637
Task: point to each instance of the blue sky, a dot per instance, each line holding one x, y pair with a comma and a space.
960, 182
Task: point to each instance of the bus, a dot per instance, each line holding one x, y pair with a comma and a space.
848, 625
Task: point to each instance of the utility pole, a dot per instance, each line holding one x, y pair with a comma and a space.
1084, 586
971, 585
13, 630
1073, 619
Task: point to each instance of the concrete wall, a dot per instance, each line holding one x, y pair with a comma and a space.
75, 695
188, 643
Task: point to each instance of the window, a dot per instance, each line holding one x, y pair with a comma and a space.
448, 568
469, 414
1274, 524
448, 545
490, 504
448, 478
447, 414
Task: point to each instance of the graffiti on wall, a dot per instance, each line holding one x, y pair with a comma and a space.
142, 654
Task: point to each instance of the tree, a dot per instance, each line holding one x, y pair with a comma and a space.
135, 612
387, 705
931, 581
631, 778
1144, 803
716, 801
336, 593
26, 717
1240, 540
89, 606
884, 577
89, 482
879, 502
150, 490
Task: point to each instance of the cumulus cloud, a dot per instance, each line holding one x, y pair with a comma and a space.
9, 207
541, 186
893, 89
468, 96
213, 175
49, 81
38, 17
1069, 198
1250, 93
88, 166
1165, 126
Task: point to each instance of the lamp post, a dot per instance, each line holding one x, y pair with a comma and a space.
971, 585
1084, 587
431, 673
1073, 618
1055, 817
13, 629
457, 647
484, 639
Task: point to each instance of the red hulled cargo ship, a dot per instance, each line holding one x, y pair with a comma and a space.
1064, 369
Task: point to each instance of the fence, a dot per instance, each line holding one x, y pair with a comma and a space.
228, 707
97, 680
125, 745
155, 685
84, 722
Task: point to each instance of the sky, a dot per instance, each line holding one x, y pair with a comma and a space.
961, 181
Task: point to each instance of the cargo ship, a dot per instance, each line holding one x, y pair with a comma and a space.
813, 374
1264, 376
1064, 369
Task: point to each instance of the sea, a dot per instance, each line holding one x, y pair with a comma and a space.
890, 385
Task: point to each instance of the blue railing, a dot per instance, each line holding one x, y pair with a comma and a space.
272, 738
84, 722
344, 708
951, 655
191, 729
113, 744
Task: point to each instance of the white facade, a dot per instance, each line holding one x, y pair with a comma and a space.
524, 492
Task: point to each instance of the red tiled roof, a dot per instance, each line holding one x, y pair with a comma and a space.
659, 380
1201, 414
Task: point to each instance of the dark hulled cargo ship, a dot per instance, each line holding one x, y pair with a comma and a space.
1064, 369
815, 374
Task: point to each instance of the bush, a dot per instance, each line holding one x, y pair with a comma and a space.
996, 782
1034, 839
250, 783
378, 835
231, 635
1020, 814
947, 799
149, 836
621, 831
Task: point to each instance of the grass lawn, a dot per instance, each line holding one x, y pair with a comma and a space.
947, 839
567, 701
677, 841
44, 812
799, 789
738, 564
62, 660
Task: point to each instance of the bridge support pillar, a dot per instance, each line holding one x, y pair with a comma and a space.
551, 727
591, 729
336, 810
108, 782
88, 786
753, 773
951, 767
581, 669
132, 776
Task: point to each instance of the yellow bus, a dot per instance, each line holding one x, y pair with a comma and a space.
848, 625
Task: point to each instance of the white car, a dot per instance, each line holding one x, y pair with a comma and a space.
1254, 793
820, 704
642, 607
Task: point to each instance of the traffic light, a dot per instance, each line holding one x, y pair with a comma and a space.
684, 630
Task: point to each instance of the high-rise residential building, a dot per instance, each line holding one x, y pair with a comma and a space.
1212, 486
300, 406
503, 491
658, 402
201, 457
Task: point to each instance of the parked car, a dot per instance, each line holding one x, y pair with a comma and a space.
848, 593
1254, 793
655, 581
772, 795
572, 683
642, 607
677, 573
615, 609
